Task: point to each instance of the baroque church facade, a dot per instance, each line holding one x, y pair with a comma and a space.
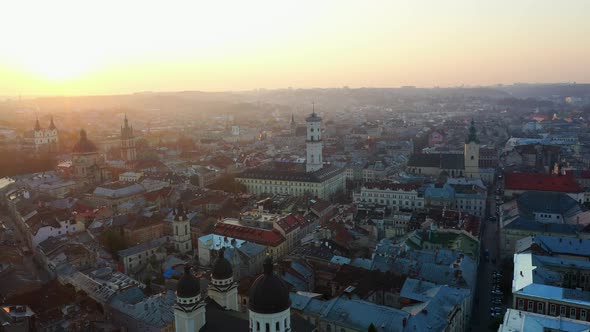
46, 138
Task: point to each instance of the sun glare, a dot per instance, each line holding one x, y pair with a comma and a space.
58, 66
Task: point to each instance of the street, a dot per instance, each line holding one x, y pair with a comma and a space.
481, 319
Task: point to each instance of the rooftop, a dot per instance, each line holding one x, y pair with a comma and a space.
555, 245
153, 244
261, 236
542, 182
522, 321
539, 276
293, 172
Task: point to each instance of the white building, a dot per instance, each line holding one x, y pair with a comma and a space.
189, 310
223, 289
181, 230
42, 225
394, 196
130, 176
316, 179
46, 137
314, 145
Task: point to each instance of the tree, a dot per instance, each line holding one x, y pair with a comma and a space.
114, 241
372, 328
228, 183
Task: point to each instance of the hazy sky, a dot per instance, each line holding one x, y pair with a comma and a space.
97, 47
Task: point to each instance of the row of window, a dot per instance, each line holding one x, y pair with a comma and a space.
394, 202
284, 183
268, 326
543, 215
365, 194
553, 309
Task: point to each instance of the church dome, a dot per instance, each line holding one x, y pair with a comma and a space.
269, 294
84, 145
188, 286
222, 268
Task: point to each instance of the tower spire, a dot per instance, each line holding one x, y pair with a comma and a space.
51, 124
472, 137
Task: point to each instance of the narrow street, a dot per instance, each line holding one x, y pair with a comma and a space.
489, 240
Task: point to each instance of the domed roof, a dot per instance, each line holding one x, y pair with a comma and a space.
84, 145
269, 294
188, 285
222, 268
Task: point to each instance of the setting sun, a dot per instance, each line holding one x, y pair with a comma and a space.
59, 64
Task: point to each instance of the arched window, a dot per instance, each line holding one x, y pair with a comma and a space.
267, 327
278, 327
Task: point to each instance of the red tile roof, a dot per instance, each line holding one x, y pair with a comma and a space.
584, 174
265, 237
154, 195
291, 223
542, 182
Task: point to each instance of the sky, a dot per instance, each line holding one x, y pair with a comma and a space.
72, 47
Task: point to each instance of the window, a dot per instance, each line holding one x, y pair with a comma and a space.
530, 306
278, 327
257, 326
552, 309
562, 311
540, 308
572, 312
520, 304
267, 327
583, 314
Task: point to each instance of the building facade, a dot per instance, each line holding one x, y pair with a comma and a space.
46, 138
313, 143
128, 151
